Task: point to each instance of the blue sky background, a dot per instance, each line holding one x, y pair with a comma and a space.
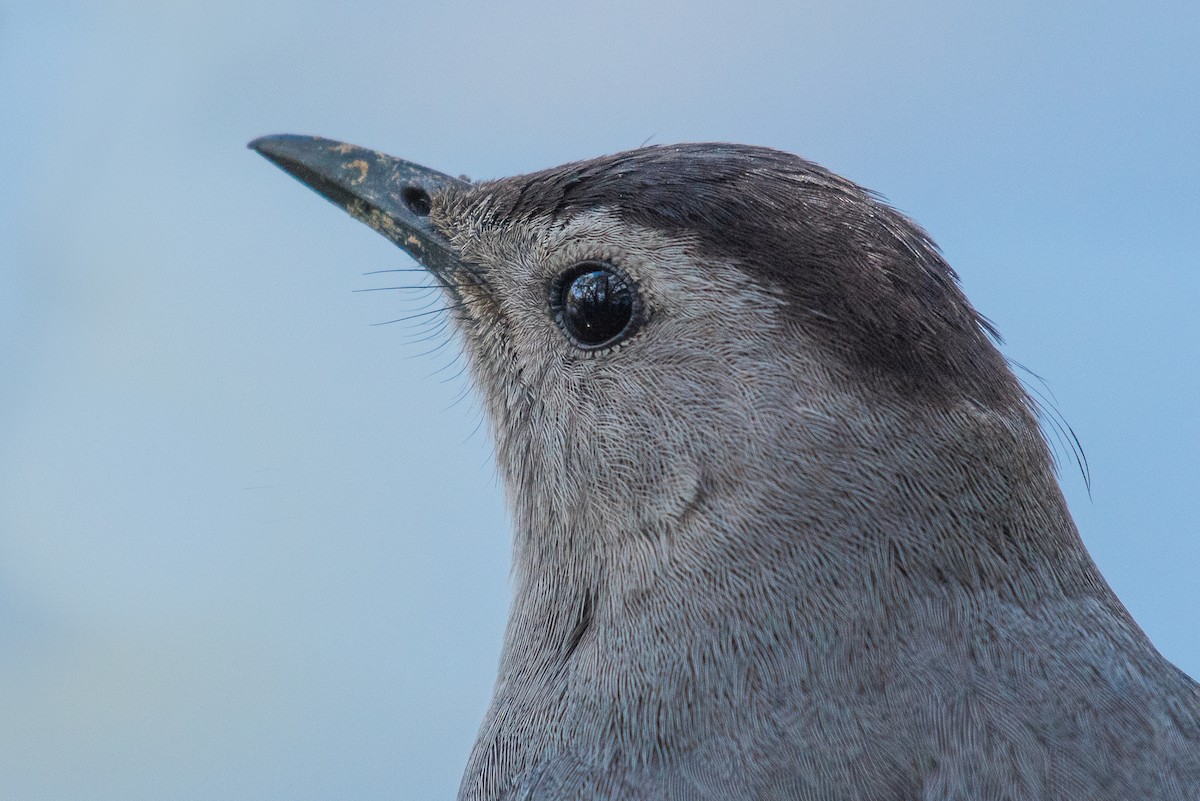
251, 548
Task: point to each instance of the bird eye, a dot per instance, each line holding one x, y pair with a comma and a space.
596, 304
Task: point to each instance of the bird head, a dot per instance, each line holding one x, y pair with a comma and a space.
710, 343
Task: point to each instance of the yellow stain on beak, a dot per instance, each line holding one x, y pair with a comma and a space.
361, 166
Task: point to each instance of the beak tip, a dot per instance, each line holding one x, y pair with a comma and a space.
275, 144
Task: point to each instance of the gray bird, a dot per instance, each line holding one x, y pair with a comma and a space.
785, 523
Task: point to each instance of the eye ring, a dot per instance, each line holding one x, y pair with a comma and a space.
596, 304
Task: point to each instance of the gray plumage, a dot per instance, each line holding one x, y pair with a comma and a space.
795, 532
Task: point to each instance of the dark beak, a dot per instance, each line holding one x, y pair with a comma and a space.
392, 196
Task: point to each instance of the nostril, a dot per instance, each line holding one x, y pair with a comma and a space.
417, 200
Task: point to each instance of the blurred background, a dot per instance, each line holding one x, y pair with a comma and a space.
252, 546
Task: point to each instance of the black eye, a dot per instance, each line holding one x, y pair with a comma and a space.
596, 304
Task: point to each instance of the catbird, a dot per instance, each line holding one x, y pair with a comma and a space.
785, 523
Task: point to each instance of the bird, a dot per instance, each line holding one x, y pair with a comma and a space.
785, 523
